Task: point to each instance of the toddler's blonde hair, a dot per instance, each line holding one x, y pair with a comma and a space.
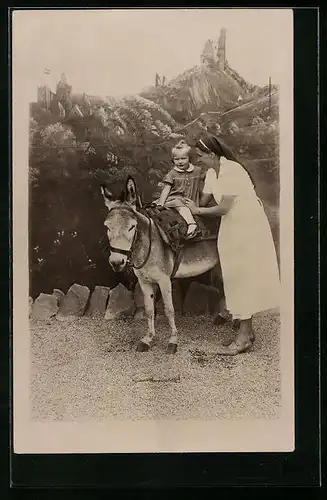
180, 147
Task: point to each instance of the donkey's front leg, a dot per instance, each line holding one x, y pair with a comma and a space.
167, 297
148, 295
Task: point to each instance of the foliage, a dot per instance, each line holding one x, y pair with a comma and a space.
68, 161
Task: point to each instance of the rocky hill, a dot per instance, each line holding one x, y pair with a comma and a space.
195, 91
212, 85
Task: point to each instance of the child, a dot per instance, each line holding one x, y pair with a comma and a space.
180, 184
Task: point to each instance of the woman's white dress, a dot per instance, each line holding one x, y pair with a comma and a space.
245, 244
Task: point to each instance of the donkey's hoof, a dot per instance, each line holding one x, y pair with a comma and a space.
172, 348
142, 347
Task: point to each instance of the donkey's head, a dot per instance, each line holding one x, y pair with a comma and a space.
121, 223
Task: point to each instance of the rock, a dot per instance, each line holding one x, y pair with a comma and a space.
30, 304
196, 302
120, 304
98, 302
74, 303
59, 294
45, 306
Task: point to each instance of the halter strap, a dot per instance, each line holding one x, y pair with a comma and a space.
120, 250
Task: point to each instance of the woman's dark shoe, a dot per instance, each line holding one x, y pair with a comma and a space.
235, 348
219, 320
236, 324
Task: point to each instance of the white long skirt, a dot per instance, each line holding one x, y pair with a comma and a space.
248, 260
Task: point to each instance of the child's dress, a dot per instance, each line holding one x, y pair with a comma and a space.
185, 185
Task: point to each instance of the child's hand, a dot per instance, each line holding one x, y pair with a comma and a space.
156, 204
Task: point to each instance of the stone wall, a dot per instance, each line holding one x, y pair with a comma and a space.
118, 302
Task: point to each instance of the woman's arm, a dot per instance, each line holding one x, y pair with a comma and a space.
216, 211
164, 194
222, 208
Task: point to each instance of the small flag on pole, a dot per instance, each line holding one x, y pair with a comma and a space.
46, 71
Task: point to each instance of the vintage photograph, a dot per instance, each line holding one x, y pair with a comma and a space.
153, 230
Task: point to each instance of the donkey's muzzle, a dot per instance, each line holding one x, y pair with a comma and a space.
117, 262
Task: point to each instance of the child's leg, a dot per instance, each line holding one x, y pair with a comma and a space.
188, 216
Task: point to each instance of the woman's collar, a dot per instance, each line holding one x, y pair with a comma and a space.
189, 169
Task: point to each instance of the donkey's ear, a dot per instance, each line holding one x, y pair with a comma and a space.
106, 192
130, 190
107, 195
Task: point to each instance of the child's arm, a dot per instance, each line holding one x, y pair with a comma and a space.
168, 184
164, 195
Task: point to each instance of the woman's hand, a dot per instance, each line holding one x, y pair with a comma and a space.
195, 210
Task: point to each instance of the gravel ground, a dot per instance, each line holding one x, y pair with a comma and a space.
89, 370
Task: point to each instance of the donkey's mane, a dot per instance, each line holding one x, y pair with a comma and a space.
125, 206
128, 208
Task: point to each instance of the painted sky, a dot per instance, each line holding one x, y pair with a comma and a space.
118, 52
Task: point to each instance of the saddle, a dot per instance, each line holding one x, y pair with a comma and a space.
173, 229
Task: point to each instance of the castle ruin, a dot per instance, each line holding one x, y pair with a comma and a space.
63, 103
214, 53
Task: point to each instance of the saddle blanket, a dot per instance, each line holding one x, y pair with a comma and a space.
175, 228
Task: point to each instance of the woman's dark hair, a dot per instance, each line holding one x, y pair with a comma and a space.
211, 144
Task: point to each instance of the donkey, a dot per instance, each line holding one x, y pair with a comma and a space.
134, 238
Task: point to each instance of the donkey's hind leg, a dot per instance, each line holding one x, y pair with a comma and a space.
148, 295
167, 297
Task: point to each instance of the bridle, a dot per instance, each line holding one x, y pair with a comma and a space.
128, 252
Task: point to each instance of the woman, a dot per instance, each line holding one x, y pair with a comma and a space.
245, 244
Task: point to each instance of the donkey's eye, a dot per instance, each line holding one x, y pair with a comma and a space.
132, 227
